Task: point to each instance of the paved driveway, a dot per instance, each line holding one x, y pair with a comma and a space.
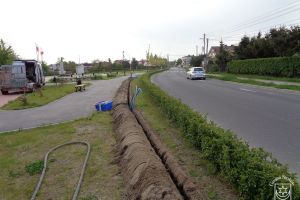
73, 106
4, 99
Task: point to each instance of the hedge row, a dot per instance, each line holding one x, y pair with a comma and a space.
250, 170
281, 66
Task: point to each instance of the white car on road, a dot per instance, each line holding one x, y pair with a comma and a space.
196, 73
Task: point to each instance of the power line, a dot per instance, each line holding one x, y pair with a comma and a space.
266, 17
269, 14
265, 29
262, 21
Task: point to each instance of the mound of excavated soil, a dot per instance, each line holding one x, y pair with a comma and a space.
144, 174
182, 180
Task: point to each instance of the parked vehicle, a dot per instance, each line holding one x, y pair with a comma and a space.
196, 73
21, 75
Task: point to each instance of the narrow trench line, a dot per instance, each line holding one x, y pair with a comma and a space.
180, 189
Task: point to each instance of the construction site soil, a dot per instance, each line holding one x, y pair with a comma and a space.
149, 170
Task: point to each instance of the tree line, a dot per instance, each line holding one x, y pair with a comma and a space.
279, 42
156, 60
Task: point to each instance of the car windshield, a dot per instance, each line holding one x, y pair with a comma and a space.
198, 69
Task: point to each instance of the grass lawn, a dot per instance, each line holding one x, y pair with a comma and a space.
234, 78
103, 76
24, 149
188, 157
35, 99
286, 79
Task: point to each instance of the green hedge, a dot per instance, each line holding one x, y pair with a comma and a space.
281, 66
250, 170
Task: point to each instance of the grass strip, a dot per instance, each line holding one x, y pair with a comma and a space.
268, 78
39, 98
234, 78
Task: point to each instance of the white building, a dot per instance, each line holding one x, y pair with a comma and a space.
80, 70
186, 61
58, 68
61, 69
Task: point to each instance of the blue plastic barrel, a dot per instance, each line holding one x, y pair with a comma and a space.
106, 105
103, 105
98, 105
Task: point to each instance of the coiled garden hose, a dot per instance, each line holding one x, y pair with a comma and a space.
135, 94
37, 187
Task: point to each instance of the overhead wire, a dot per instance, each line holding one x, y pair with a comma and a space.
269, 14
260, 22
266, 17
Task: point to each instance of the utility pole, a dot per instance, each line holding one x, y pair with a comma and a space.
148, 60
196, 50
204, 42
167, 60
207, 46
123, 62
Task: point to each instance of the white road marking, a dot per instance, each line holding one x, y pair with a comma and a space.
247, 90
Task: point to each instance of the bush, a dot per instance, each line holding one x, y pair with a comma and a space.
250, 170
280, 66
213, 68
110, 75
35, 167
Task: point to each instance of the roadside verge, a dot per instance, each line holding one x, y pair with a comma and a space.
250, 170
259, 82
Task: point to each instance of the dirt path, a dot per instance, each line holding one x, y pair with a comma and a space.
73, 106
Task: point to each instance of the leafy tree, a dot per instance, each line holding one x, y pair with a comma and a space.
96, 66
157, 60
59, 60
116, 66
179, 61
196, 61
223, 57
134, 63
46, 68
109, 65
7, 54
126, 65
278, 42
70, 67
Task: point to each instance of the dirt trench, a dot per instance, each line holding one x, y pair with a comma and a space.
149, 169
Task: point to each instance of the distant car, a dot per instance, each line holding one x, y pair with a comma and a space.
196, 73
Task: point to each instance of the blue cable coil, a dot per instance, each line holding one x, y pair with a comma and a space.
133, 98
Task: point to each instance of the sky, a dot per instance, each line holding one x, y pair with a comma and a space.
97, 29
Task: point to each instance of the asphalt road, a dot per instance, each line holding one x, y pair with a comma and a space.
264, 117
70, 107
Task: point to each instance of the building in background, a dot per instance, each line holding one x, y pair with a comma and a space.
58, 69
215, 50
80, 69
186, 61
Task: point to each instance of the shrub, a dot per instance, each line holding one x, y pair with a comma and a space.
280, 66
250, 170
35, 167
